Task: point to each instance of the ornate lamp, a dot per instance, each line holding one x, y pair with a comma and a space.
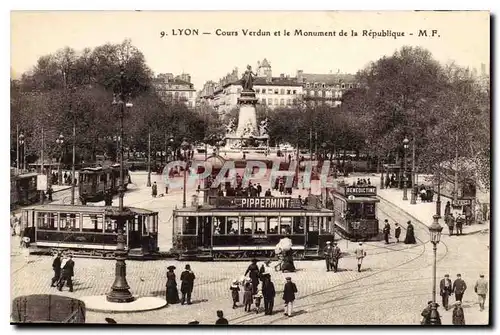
405, 191
435, 236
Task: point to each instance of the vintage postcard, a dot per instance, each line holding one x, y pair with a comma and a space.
250, 168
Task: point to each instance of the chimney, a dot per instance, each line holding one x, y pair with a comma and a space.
269, 77
299, 76
483, 69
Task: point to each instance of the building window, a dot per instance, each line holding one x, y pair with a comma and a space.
294, 91
190, 94
263, 90
276, 102
323, 86
282, 91
282, 102
270, 102
257, 90
307, 85
176, 94
289, 102
263, 101
350, 85
276, 91
288, 92
315, 85
311, 93
342, 86
239, 90
294, 101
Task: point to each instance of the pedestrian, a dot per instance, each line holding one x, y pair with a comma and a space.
253, 272
269, 293
445, 290
25, 246
328, 253
172, 294
386, 231
235, 293
460, 223
458, 317
397, 232
221, 319
447, 209
481, 289
426, 314
289, 296
259, 189
50, 191
268, 193
247, 296
154, 190
459, 287
14, 221
67, 273
450, 222
410, 234
337, 254
360, 254
257, 300
369, 182
56, 267
187, 284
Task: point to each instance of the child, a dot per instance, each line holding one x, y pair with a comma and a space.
247, 296
258, 298
235, 293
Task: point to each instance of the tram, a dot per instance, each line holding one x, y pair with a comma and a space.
23, 189
90, 230
243, 227
95, 182
355, 209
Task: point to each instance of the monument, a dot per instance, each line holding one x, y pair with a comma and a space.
247, 135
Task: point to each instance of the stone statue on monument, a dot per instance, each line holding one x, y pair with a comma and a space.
263, 127
247, 80
231, 126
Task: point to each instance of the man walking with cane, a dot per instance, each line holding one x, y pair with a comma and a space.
360, 254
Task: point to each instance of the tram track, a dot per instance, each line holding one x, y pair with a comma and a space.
341, 287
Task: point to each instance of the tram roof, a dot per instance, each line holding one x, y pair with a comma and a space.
362, 199
26, 175
85, 209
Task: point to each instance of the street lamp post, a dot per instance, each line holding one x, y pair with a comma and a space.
405, 191
60, 142
185, 146
149, 161
120, 289
413, 200
438, 201
435, 236
20, 144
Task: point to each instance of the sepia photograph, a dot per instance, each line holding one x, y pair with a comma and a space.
250, 168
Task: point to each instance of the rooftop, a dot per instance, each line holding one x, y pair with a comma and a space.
328, 79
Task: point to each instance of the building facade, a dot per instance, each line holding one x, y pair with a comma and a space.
177, 88
325, 88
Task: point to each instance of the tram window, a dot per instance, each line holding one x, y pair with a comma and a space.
286, 225
369, 210
246, 225
189, 226
272, 225
323, 225
110, 225
354, 210
47, 221
298, 225
219, 225
69, 222
232, 226
151, 224
92, 223
260, 225
142, 222
103, 177
313, 223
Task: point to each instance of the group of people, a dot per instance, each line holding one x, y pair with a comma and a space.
457, 222
447, 288
280, 185
332, 254
64, 270
362, 182
410, 232
187, 285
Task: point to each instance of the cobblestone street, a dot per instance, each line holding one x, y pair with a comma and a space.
393, 288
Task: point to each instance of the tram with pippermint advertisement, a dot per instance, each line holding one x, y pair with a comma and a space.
247, 227
355, 209
90, 231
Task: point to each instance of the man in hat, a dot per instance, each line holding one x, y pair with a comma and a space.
154, 190
328, 252
56, 267
386, 231
336, 256
481, 289
221, 319
360, 254
289, 296
253, 271
187, 284
268, 292
459, 287
67, 274
445, 290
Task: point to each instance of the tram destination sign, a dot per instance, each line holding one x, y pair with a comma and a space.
259, 203
462, 202
360, 190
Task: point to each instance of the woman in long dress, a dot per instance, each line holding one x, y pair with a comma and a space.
25, 246
410, 234
172, 294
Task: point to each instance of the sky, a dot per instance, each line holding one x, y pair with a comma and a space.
462, 37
